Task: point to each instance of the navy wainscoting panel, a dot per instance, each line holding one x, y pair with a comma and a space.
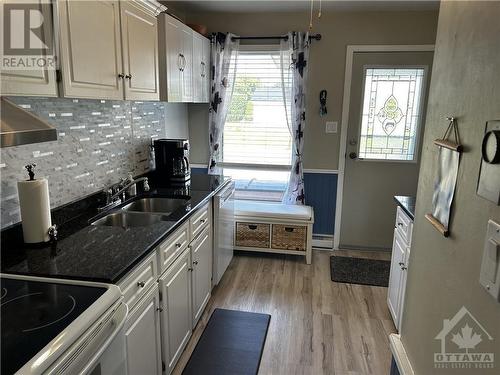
197, 170
394, 367
321, 194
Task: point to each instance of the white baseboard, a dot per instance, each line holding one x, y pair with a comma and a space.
400, 356
322, 242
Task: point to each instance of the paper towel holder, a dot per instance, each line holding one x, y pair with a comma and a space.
31, 170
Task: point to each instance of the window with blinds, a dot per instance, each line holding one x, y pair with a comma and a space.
257, 145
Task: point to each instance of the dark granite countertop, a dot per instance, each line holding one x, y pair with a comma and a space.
103, 253
407, 204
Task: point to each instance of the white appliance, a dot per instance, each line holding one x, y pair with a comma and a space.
223, 231
89, 342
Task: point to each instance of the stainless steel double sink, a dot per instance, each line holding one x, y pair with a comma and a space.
142, 213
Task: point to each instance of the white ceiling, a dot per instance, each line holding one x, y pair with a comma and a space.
245, 6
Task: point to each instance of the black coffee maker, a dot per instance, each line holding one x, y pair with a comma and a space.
172, 161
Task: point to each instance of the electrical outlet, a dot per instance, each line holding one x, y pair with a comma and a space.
331, 127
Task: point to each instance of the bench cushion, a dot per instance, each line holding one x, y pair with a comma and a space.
273, 210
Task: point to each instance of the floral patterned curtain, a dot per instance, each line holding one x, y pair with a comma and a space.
224, 55
298, 43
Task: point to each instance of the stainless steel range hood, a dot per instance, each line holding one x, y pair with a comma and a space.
19, 127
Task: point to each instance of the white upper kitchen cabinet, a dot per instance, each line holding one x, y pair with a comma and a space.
90, 48
201, 68
37, 82
140, 52
109, 49
142, 336
176, 60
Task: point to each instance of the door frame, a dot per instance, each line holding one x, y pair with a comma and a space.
351, 50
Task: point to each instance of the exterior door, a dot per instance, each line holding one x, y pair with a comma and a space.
91, 49
386, 118
140, 53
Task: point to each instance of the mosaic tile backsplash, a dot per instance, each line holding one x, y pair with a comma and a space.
99, 142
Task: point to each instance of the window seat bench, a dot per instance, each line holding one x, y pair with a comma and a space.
274, 228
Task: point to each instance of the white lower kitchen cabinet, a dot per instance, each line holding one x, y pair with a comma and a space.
175, 289
201, 253
399, 266
142, 336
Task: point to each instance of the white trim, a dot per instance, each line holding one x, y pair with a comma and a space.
399, 355
351, 49
199, 165
323, 171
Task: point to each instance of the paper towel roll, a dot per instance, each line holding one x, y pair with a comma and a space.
35, 210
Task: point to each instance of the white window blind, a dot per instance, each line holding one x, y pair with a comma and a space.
257, 145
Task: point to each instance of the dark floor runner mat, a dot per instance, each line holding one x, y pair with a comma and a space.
232, 343
360, 271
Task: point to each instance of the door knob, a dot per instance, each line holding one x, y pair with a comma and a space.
353, 155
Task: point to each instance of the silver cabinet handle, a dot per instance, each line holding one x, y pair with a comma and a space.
195, 262
121, 75
401, 263
160, 309
179, 62
203, 221
190, 269
128, 76
404, 268
141, 284
400, 224
178, 244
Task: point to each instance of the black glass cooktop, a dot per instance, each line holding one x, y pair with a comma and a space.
33, 313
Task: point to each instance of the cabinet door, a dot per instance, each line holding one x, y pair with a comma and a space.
187, 63
39, 82
140, 53
395, 278
175, 286
171, 65
142, 336
197, 68
91, 53
205, 74
201, 253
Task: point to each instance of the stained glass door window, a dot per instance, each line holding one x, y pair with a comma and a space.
391, 113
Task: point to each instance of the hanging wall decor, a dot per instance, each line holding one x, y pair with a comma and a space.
446, 178
488, 185
322, 103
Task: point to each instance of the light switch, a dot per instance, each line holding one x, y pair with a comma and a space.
489, 276
331, 127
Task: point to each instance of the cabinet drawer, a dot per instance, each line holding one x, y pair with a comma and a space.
199, 220
289, 237
403, 225
172, 247
253, 234
137, 283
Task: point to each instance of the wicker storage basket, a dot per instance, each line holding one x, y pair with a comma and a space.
289, 237
252, 234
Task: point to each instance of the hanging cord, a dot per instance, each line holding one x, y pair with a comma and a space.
311, 16
452, 126
319, 12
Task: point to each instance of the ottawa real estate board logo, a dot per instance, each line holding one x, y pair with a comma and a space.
465, 344
28, 40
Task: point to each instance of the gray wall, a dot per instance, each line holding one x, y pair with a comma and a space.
327, 63
443, 273
99, 141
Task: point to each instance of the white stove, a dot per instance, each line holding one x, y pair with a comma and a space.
61, 326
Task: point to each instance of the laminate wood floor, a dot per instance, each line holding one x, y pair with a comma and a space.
317, 326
